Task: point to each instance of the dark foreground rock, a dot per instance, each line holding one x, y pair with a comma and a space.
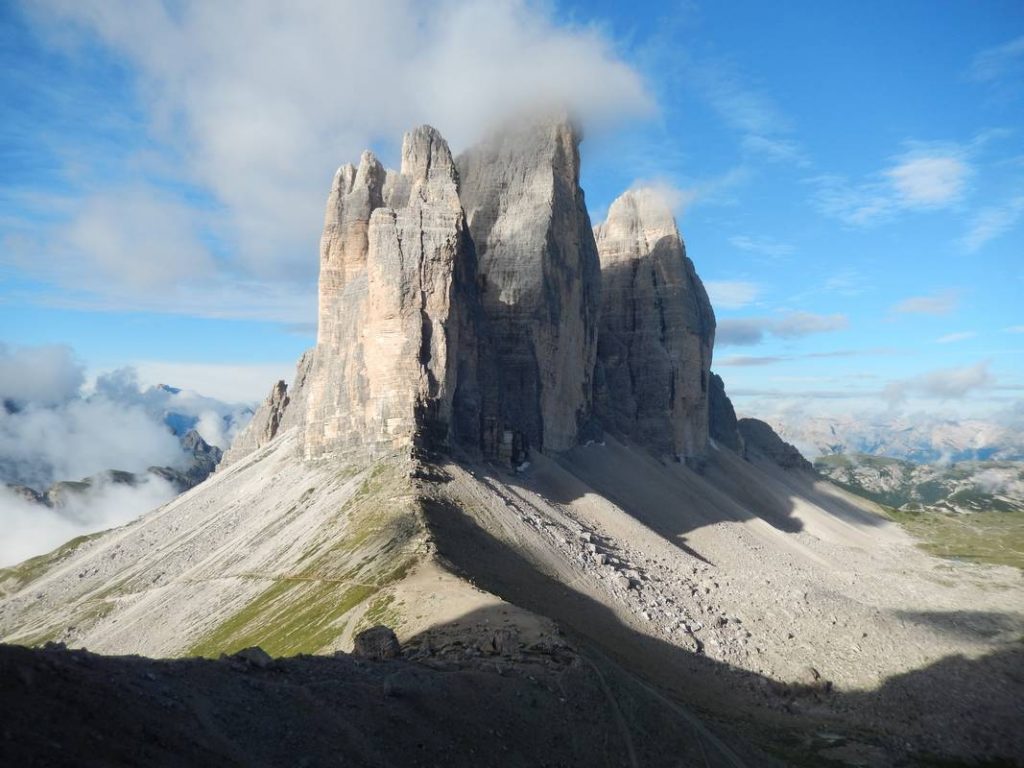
74, 708
377, 643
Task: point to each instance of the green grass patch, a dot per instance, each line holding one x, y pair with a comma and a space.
373, 542
984, 537
289, 618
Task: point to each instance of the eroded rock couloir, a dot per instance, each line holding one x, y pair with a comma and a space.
657, 330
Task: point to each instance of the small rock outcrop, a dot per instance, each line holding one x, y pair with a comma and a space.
282, 408
657, 330
760, 440
539, 278
254, 657
723, 427
377, 643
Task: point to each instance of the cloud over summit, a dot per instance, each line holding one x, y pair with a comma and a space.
253, 104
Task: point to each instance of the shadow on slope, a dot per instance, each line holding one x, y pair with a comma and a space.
675, 501
955, 708
545, 707
970, 624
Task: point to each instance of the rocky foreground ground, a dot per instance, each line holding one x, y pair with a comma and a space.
456, 706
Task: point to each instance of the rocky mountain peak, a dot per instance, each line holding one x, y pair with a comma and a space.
657, 330
641, 214
539, 275
467, 303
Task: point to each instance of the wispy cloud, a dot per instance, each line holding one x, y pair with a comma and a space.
928, 181
848, 282
936, 304
753, 330
740, 361
992, 222
945, 384
765, 130
767, 246
950, 338
927, 177
996, 62
1015, 329
731, 294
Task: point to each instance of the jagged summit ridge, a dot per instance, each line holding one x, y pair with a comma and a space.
467, 304
389, 309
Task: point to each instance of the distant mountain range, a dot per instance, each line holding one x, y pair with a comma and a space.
202, 461
922, 439
962, 487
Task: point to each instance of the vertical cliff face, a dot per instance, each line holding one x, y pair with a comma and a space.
386, 362
657, 330
462, 307
539, 278
723, 427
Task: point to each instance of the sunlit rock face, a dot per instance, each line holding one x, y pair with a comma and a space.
393, 254
657, 330
539, 277
468, 306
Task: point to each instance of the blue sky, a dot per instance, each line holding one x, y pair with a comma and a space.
849, 177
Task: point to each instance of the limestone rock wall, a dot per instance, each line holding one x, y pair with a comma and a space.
386, 361
760, 440
539, 278
282, 409
722, 425
657, 330
461, 309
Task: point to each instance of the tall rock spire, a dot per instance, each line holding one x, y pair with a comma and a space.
657, 330
539, 276
385, 364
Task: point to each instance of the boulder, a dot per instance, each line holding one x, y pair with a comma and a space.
254, 657
377, 643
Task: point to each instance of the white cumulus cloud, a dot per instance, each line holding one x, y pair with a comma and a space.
254, 104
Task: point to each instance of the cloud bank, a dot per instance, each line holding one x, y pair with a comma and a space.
32, 529
54, 427
250, 106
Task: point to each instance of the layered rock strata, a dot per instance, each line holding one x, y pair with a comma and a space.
539, 278
394, 246
657, 330
467, 305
